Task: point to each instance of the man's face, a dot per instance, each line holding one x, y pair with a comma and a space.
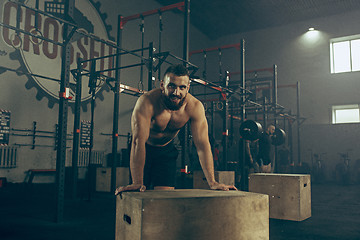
174, 89
271, 129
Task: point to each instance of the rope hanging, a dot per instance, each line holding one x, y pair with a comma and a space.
160, 43
205, 72
220, 66
142, 30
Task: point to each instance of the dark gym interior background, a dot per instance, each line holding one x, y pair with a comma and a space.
274, 32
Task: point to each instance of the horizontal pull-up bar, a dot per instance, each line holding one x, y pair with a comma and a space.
124, 20
206, 83
30, 74
278, 106
254, 103
30, 34
220, 89
99, 73
234, 117
34, 145
118, 68
124, 87
208, 100
131, 89
183, 60
215, 100
210, 85
114, 55
237, 46
206, 94
287, 116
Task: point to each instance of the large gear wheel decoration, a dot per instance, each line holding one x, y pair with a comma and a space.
31, 52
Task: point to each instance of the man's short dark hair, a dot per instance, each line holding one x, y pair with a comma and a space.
178, 70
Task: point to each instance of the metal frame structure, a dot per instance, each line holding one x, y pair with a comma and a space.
277, 110
117, 88
63, 99
226, 91
69, 30
121, 22
248, 106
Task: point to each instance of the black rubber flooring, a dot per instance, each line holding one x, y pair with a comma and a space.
28, 212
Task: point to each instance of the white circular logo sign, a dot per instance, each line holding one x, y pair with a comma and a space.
43, 57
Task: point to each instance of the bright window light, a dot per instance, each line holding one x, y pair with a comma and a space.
341, 57
345, 114
355, 55
345, 54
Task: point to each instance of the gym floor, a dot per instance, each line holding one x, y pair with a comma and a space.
27, 212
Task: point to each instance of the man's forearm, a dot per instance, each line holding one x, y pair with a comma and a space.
207, 164
137, 163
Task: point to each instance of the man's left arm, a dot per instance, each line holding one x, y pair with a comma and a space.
199, 129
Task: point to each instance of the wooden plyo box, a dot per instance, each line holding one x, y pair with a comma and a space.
225, 177
103, 178
289, 194
192, 214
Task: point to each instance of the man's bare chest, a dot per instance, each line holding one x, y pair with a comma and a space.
168, 121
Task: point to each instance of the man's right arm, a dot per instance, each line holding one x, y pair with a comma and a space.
248, 151
140, 126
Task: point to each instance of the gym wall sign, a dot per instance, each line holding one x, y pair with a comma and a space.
43, 58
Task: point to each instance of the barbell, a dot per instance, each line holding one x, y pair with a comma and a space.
252, 130
278, 137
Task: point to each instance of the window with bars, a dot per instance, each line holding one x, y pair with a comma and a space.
345, 54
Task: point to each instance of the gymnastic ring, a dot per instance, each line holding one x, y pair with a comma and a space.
153, 81
13, 38
37, 33
141, 86
219, 105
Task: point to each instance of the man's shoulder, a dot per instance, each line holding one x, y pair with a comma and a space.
147, 102
150, 96
193, 102
194, 108
153, 93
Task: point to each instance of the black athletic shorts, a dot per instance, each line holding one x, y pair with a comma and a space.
160, 166
264, 149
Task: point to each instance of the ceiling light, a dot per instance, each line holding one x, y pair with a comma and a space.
311, 29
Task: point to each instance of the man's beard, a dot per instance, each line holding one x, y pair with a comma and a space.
172, 105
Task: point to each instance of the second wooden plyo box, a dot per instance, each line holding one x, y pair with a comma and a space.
103, 178
289, 194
